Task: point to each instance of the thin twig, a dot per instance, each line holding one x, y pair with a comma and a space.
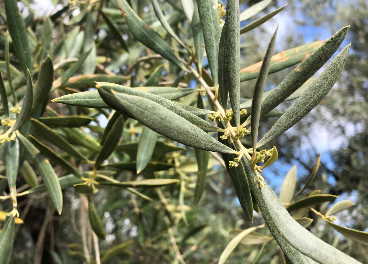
152, 57
173, 241
97, 248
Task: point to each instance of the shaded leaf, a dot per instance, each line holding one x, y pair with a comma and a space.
304, 221
254, 10
311, 177
154, 78
89, 43
78, 137
360, 236
146, 146
142, 183
6, 241
66, 121
29, 174
95, 220
288, 186
198, 37
311, 200
132, 166
115, 31
89, 80
4, 96
11, 161
340, 206
116, 251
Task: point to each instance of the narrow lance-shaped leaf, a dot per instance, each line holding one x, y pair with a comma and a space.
56, 139
340, 206
360, 236
311, 177
47, 172
254, 10
19, 35
115, 251
164, 23
167, 123
198, 37
95, 220
142, 183
11, 160
25, 112
110, 124
155, 77
4, 97
271, 160
233, 243
29, 174
288, 186
53, 156
232, 51
258, 92
66, 121
46, 37
105, 89
79, 137
310, 98
311, 200
146, 146
283, 227
303, 72
89, 65
115, 31
111, 141
188, 8
89, 80
7, 66
143, 33
211, 33
202, 157
222, 66
281, 60
260, 21
7, 240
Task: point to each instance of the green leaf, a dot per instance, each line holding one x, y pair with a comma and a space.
233, 243
7, 240
202, 157
89, 80
340, 206
154, 78
110, 124
258, 91
11, 161
13, 71
78, 137
211, 33
198, 37
116, 251
283, 227
142, 183
360, 236
310, 98
132, 166
222, 66
46, 37
281, 60
53, 156
43, 86
254, 10
260, 21
146, 146
83, 188
7, 65
115, 31
89, 65
304, 221
73, 69
260, 254
56, 139
4, 96
232, 57
26, 106
95, 220
105, 90
112, 140
29, 174
311, 200
288, 186
66, 121
78, 18
188, 8
304, 71
165, 25
93, 99
47, 172
167, 123
18, 34
144, 34
311, 177
271, 160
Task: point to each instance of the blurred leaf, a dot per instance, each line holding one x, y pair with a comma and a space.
311, 200
144, 34
142, 183
19, 35
310, 98
304, 221
198, 37
29, 174
260, 21
53, 156
66, 121
83, 188
6, 241
166, 26
274, 157
112, 140
117, 251
95, 220
356, 235
254, 10
132, 166
233, 243
340, 206
7, 66
260, 254
288, 186
47, 172
188, 8
4, 97
56, 139
79, 137
89, 43
211, 33
154, 78
89, 80
146, 147
115, 31
258, 92
311, 177
78, 18
156, 117
46, 37
303, 72
25, 112
11, 161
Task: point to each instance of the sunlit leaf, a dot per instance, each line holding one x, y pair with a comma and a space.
340, 206
311, 177
254, 9
198, 37
360, 236
288, 186
115, 31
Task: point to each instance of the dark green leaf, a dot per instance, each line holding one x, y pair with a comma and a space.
311, 177
46, 37
222, 68
115, 31
155, 77
29, 174
89, 81
146, 146
78, 137
116, 251
7, 240
7, 65
132, 166
198, 37
95, 220
311, 200
66, 121
360, 236
11, 160
142, 183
